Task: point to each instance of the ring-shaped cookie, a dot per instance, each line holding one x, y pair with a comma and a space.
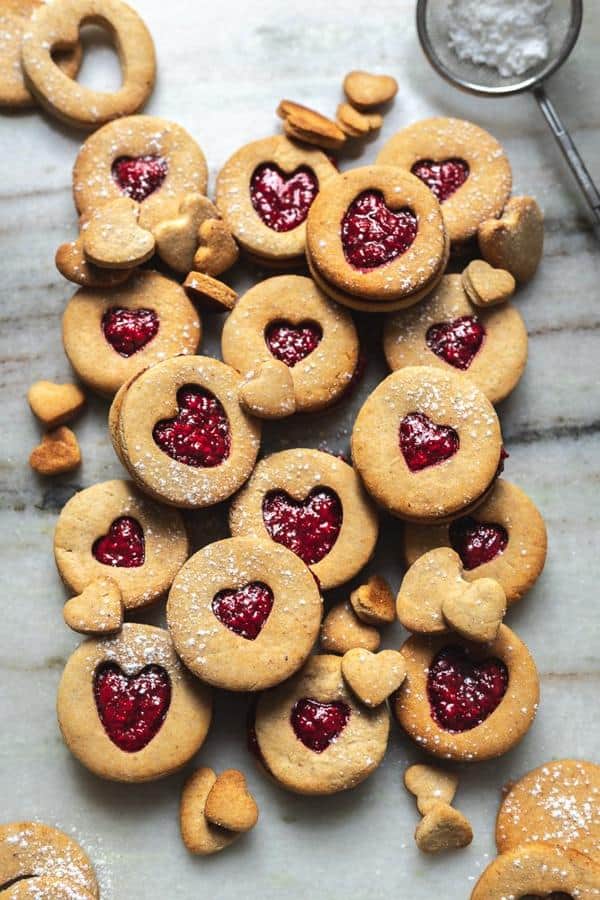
307, 319
539, 870
244, 614
447, 331
55, 26
168, 712
313, 503
143, 557
409, 414
139, 138
510, 540
43, 856
502, 728
154, 400
234, 198
349, 749
488, 184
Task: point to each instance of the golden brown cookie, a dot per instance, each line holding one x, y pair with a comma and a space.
198, 834
485, 285
209, 293
443, 828
230, 804
97, 610
373, 676
357, 124
314, 504
44, 858
55, 404
374, 602
430, 785
57, 453
515, 241
539, 870
342, 631
309, 126
365, 90
268, 391
113, 239
72, 264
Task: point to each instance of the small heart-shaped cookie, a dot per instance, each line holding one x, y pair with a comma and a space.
342, 630
208, 293
373, 676
54, 404
430, 785
356, 124
365, 91
477, 613
307, 125
112, 238
198, 834
443, 828
217, 249
177, 239
71, 263
230, 804
516, 240
57, 453
486, 286
269, 393
97, 610
373, 602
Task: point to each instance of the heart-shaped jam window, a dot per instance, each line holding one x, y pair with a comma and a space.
132, 708
245, 610
372, 234
318, 724
456, 342
442, 178
124, 546
199, 434
282, 201
464, 691
308, 527
139, 176
477, 542
128, 330
424, 443
292, 343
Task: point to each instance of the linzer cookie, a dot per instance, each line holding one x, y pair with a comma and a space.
539, 870
42, 863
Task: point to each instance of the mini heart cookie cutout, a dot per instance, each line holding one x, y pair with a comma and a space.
487, 286
430, 785
365, 90
199, 835
177, 239
356, 124
57, 453
477, 613
112, 238
230, 804
97, 610
217, 249
210, 294
342, 630
443, 828
269, 394
71, 263
373, 676
55, 404
310, 126
516, 240
373, 602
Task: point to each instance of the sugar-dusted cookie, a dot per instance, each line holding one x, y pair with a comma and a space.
97, 610
209, 293
439, 436
467, 701
268, 391
244, 613
313, 736
73, 265
288, 318
264, 193
127, 708
536, 870
375, 239
111, 529
463, 165
46, 860
110, 335
373, 676
504, 538
447, 331
313, 503
198, 834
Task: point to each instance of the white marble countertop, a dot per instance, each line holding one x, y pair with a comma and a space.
223, 68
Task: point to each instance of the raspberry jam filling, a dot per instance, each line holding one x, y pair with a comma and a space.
442, 179
424, 444
245, 610
124, 545
318, 724
292, 343
139, 176
463, 692
128, 330
132, 708
373, 235
456, 342
282, 201
199, 434
308, 527
477, 542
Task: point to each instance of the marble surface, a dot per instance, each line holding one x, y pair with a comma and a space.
223, 68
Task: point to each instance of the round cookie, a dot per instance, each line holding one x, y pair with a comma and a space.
438, 437
180, 431
112, 529
314, 504
127, 708
264, 192
504, 538
244, 614
290, 319
466, 701
464, 166
536, 870
111, 335
41, 857
557, 803
314, 736
447, 331
375, 239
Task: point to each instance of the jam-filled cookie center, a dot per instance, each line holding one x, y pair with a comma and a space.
123, 546
199, 434
292, 343
129, 330
456, 342
424, 443
132, 708
139, 176
245, 610
318, 724
373, 234
463, 691
477, 542
280, 200
442, 178
309, 527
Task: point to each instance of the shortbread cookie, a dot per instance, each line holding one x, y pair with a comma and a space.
342, 631
373, 602
112, 238
485, 285
443, 828
244, 614
357, 124
314, 504
373, 676
55, 404
289, 319
57, 453
314, 737
209, 293
430, 785
111, 529
463, 165
537, 870
109, 336
72, 264
46, 859
127, 708
465, 701
439, 436
177, 238
447, 331
309, 126
230, 804
198, 834
365, 90
515, 241
97, 610
268, 391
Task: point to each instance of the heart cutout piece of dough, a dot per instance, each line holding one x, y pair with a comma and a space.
112, 238
373, 676
487, 286
230, 804
430, 785
477, 613
177, 239
269, 394
97, 610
